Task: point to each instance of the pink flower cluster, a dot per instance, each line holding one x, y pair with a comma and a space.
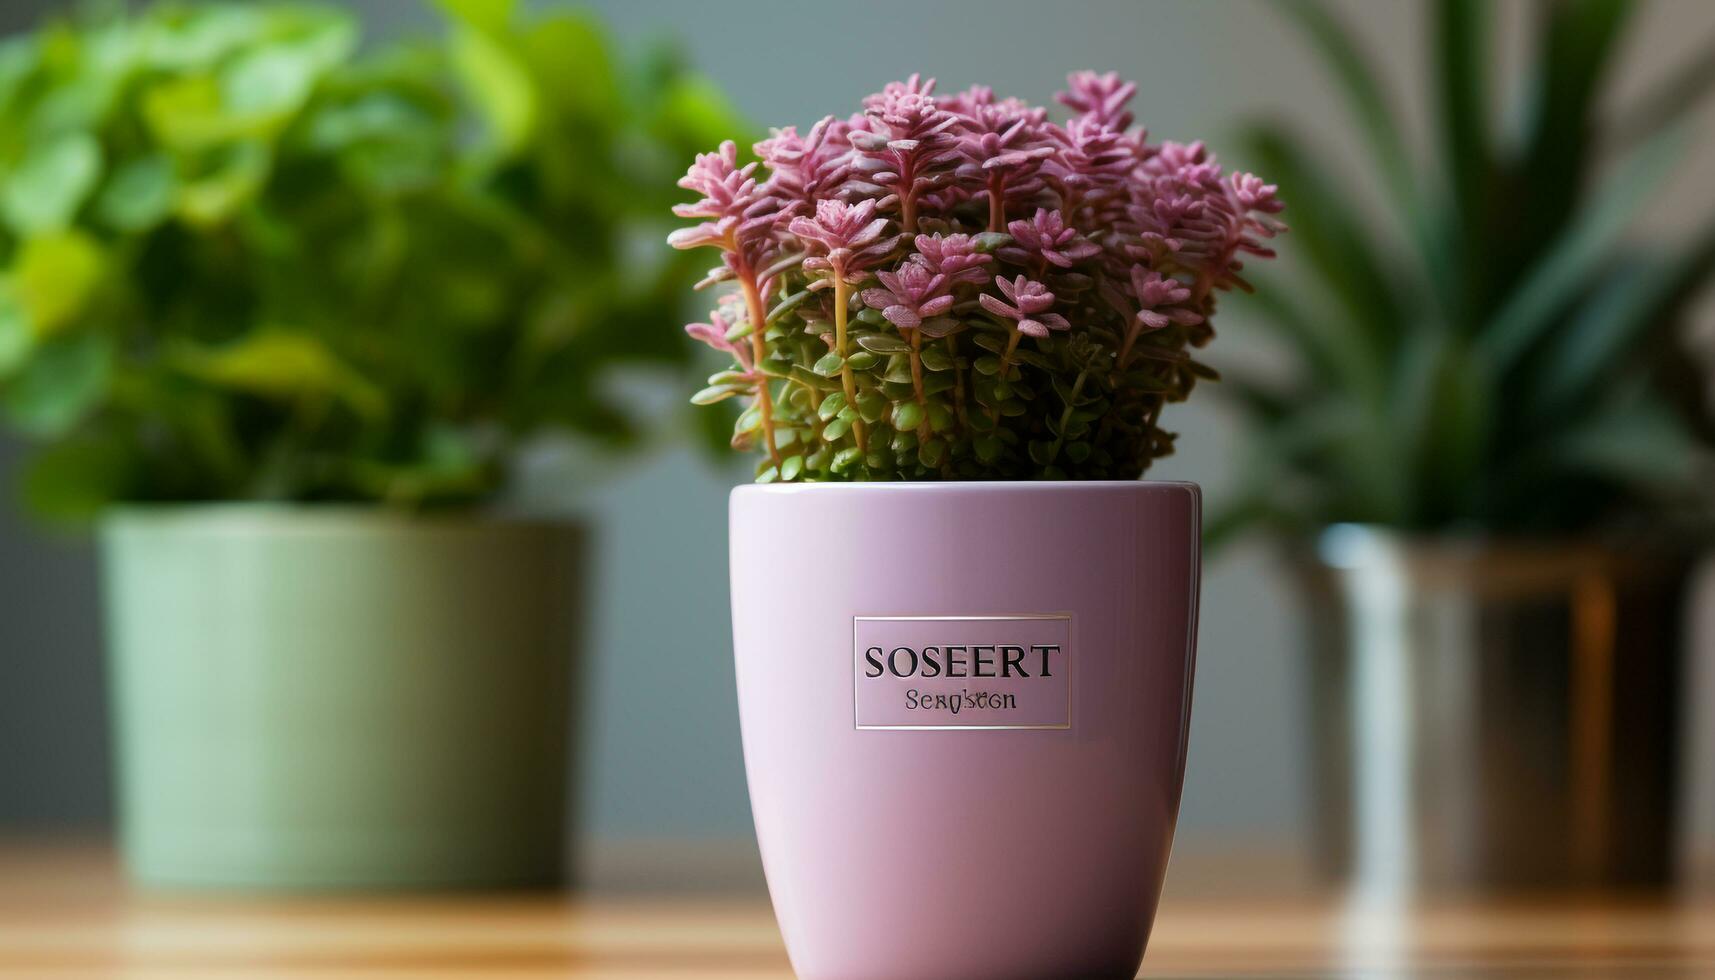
912, 162
940, 211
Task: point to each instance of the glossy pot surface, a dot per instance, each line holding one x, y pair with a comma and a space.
965, 709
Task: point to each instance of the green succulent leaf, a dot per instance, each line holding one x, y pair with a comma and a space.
932, 454
780, 309
718, 393
872, 405
898, 370
847, 458
936, 383
941, 417
883, 344
832, 405
907, 416
829, 365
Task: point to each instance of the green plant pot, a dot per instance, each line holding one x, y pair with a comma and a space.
340, 697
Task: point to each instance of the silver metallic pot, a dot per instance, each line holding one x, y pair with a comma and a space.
1493, 716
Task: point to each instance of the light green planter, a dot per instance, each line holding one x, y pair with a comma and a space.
339, 697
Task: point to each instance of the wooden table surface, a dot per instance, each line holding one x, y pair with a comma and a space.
65, 913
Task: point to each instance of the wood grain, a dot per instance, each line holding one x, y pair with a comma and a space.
65, 913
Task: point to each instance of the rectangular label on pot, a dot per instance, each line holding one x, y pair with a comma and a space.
946, 673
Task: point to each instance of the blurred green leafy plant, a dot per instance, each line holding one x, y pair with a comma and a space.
244, 259
1501, 360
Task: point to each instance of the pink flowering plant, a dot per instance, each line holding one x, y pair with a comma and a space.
957, 287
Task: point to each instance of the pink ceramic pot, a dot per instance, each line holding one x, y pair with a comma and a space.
965, 710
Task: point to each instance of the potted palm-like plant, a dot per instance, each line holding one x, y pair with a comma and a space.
964, 629
280, 314
1496, 446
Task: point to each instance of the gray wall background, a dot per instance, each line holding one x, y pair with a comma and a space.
661, 735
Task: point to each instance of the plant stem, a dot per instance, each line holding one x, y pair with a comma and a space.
908, 207
997, 202
842, 299
917, 383
958, 384
1005, 366
1150, 421
1205, 282
1132, 330
1066, 416
816, 423
764, 398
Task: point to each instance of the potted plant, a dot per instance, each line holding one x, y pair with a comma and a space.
964, 631
280, 315
1489, 453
